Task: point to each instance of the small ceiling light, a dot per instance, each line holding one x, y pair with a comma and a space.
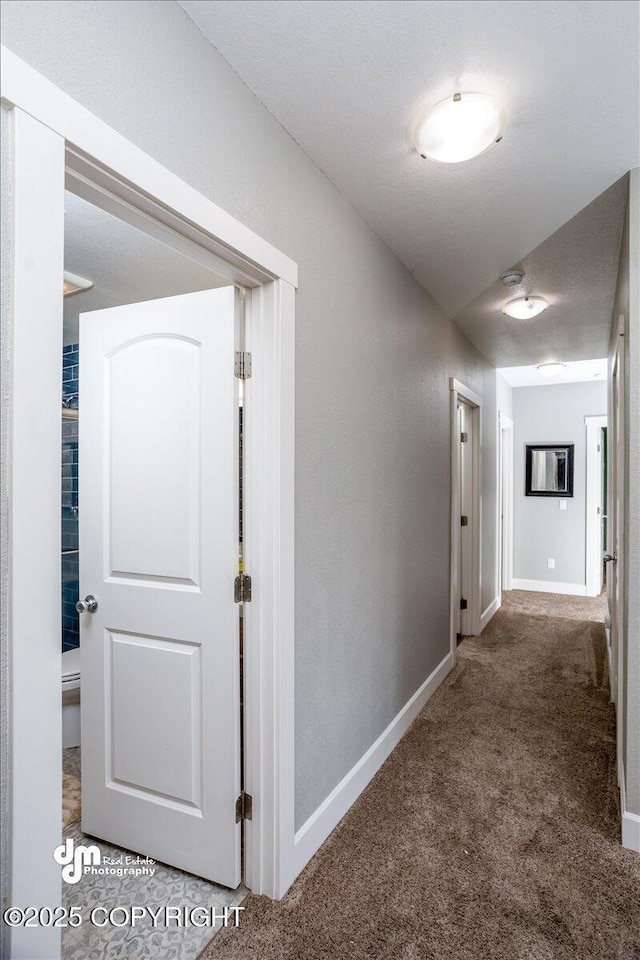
512, 278
459, 128
524, 308
550, 369
74, 284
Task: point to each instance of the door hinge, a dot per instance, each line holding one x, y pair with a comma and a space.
463, 603
242, 366
464, 521
244, 807
242, 588
464, 436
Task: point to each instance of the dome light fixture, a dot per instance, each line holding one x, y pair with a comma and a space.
71, 283
525, 308
550, 369
459, 128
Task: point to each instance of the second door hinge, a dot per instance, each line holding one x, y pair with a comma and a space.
464, 437
464, 521
244, 807
242, 366
242, 588
463, 603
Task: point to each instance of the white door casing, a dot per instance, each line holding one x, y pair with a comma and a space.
460, 394
505, 503
615, 513
52, 135
594, 530
159, 549
466, 441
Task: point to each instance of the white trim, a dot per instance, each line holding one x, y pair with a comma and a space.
110, 152
593, 499
488, 614
504, 552
269, 623
457, 386
459, 391
133, 185
630, 822
547, 586
310, 837
34, 646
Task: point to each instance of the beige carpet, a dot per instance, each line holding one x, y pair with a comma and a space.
492, 832
71, 800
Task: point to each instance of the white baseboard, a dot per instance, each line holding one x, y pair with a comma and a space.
630, 821
493, 607
312, 834
547, 586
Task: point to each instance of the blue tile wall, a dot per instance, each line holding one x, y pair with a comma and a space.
69, 503
70, 374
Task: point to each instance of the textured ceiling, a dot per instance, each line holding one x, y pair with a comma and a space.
347, 78
579, 371
125, 265
575, 270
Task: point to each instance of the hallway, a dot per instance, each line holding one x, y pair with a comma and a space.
492, 831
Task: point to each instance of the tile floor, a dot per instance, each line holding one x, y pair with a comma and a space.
167, 886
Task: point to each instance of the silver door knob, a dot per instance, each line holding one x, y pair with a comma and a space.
611, 558
88, 605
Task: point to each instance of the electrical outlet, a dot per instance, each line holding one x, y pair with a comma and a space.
551, 564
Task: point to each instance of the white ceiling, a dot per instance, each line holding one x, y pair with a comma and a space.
575, 270
579, 371
347, 79
125, 265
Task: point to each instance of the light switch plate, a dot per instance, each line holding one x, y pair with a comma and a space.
551, 564
563, 504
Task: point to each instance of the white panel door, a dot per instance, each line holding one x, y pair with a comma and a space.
159, 549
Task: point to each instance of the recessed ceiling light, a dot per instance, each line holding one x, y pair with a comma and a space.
524, 308
74, 284
459, 128
550, 369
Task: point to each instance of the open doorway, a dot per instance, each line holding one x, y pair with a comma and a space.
505, 502
150, 492
54, 140
466, 435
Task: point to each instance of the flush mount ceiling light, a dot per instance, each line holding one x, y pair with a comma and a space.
459, 128
550, 369
73, 284
524, 308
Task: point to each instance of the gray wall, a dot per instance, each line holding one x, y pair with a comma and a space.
551, 414
373, 358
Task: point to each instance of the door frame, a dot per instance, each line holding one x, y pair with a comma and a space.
593, 500
505, 502
615, 524
56, 142
458, 392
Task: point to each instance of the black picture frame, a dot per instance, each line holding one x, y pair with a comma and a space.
530, 449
